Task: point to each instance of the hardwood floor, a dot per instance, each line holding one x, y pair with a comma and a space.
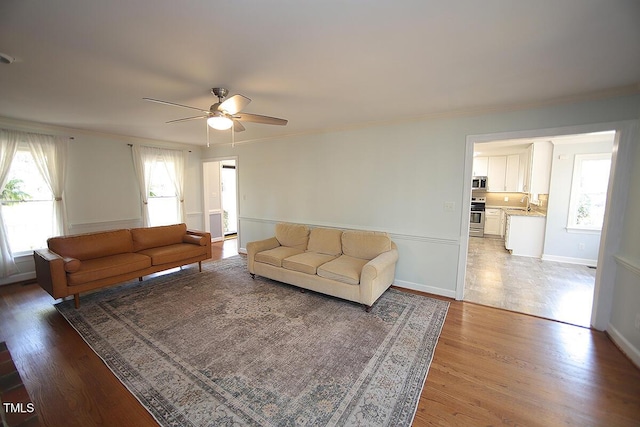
491, 367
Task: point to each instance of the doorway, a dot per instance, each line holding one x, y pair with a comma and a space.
626, 133
550, 274
220, 188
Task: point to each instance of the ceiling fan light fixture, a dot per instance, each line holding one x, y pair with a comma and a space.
220, 122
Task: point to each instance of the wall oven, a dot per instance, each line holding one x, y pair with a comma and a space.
479, 183
476, 225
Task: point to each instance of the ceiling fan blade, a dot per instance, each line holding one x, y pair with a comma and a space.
257, 118
187, 119
234, 104
159, 101
237, 126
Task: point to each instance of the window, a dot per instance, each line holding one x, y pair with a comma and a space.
589, 191
27, 205
162, 202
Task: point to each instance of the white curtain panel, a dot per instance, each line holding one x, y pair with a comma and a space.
9, 146
144, 160
176, 159
50, 155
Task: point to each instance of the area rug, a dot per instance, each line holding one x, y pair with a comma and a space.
219, 348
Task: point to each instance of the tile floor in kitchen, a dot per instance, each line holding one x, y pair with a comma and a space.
548, 289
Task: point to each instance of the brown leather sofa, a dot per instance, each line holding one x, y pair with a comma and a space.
74, 264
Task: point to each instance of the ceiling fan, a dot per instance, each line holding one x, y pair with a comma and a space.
224, 114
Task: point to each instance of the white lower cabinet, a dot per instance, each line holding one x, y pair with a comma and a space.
492, 221
524, 235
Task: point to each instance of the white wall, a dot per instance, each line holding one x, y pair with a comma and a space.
396, 178
559, 244
626, 299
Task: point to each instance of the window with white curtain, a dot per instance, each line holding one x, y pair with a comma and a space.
163, 201
27, 204
589, 191
160, 173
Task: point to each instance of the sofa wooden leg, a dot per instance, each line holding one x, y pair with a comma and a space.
200, 266
367, 308
253, 275
140, 279
76, 300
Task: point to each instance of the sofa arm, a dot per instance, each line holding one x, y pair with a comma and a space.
50, 272
197, 237
377, 275
258, 246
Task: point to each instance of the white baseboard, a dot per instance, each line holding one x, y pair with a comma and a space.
20, 277
425, 288
570, 260
627, 348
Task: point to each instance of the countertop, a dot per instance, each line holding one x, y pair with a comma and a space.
518, 211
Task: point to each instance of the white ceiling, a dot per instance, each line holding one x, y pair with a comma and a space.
322, 65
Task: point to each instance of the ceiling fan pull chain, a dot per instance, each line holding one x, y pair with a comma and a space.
207, 126
233, 131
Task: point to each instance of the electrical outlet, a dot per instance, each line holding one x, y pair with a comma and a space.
506, 198
449, 206
581, 246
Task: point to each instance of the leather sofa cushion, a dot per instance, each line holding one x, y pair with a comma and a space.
94, 245
307, 262
108, 266
153, 237
345, 269
365, 244
172, 253
325, 241
276, 255
292, 235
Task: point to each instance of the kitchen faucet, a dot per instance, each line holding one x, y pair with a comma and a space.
528, 201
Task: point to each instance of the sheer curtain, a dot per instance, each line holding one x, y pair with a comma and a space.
144, 160
9, 145
176, 159
50, 154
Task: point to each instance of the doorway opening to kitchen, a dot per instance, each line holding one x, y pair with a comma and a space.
544, 208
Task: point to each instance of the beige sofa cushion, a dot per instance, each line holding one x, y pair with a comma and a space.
307, 262
276, 255
325, 241
365, 244
345, 269
292, 235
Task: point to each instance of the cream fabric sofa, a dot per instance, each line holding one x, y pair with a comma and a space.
349, 264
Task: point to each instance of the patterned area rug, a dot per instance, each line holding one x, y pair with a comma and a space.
218, 348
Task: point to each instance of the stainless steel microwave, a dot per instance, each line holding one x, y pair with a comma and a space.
479, 183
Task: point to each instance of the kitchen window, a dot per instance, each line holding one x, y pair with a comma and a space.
589, 192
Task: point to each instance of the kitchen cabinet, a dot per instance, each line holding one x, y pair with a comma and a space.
480, 166
492, 221
503, 173
524, 234
541, 154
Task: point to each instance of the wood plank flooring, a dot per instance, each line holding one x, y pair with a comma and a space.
491, 367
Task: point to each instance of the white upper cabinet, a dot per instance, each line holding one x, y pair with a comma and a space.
503, 172
541, 155
480, 166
